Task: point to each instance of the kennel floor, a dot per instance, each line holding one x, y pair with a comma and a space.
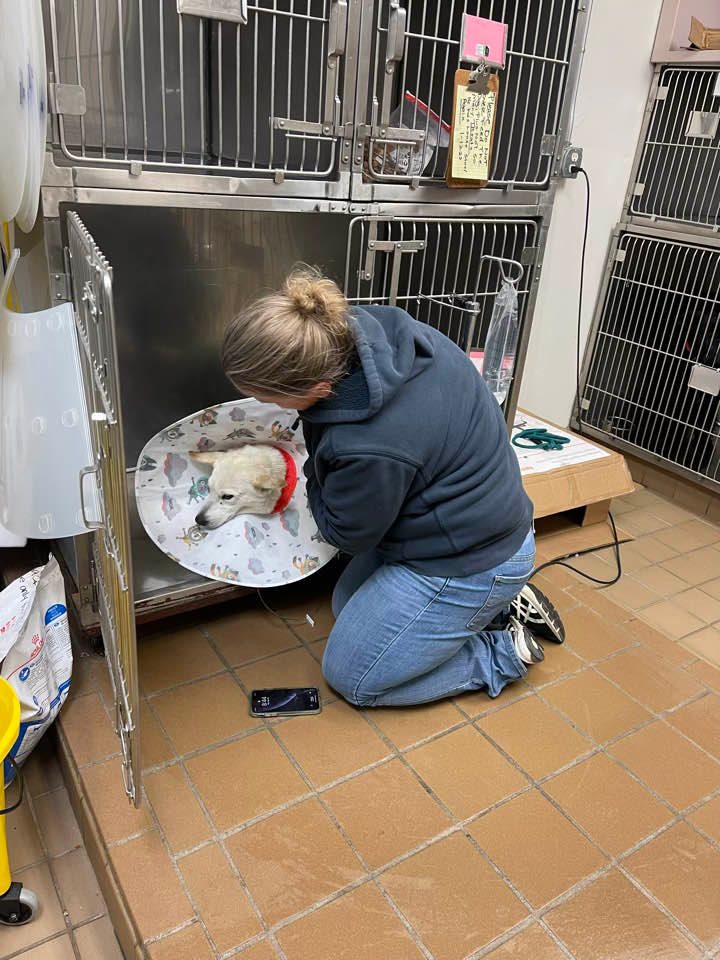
576, 816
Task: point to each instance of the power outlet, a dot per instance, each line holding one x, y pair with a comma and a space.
572, 158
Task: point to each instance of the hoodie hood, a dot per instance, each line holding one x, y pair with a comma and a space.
391, 349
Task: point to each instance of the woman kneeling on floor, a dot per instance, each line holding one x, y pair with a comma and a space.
411, 472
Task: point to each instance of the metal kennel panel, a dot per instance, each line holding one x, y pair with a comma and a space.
91, 280
445, 272
414, 47
652, 372
678, 175
137, 84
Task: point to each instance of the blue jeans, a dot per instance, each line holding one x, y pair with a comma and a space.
402, 638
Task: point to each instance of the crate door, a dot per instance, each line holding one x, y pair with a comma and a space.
414, 53
653, 370
91, 281
137, 83
444, 272
678, 176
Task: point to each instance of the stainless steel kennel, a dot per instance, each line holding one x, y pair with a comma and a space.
651, 380
192, 162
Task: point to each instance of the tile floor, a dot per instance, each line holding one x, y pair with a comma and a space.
577, 816
47, 855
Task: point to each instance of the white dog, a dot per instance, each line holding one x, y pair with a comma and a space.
251, 479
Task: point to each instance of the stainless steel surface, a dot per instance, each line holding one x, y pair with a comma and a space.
677, 173
658, 319
186, 92
92, 289
180, 275
207, 158
415, 47
445, 272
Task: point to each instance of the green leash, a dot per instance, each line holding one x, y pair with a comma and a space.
539, 439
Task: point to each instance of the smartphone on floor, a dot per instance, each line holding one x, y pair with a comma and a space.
285, 702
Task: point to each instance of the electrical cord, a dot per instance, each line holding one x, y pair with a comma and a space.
307, 619
615, 543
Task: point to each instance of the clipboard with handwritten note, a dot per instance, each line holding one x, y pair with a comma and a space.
473, 131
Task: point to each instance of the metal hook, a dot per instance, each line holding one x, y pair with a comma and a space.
506, 260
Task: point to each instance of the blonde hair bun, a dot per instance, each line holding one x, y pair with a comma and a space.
287, 342
316, 297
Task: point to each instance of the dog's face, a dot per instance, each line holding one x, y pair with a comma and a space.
247, 480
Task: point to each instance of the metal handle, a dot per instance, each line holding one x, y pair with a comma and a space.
397, 22
337, 28
394, 51
513, 263
89, 524
20, 786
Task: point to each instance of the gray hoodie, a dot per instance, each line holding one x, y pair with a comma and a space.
410, 456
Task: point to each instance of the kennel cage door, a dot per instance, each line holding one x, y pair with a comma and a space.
414, 51
445, 272
657, 328
138, 85
678, 175
91, 281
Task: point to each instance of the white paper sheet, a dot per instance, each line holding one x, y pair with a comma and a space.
542, 461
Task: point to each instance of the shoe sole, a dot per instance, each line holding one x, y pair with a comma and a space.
533, 646
548, 624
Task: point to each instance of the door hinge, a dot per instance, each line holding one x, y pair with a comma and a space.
547, 145
88, 591
59, 287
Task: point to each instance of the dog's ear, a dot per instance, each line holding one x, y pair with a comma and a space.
264, 483
205, 456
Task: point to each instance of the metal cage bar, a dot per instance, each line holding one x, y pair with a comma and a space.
444, 272
92, 280
652, 371
415, 48
136, 83
678, 171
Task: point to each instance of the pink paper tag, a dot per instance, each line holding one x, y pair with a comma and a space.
483, 40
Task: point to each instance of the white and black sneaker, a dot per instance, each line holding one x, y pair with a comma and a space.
527, 647
534, 610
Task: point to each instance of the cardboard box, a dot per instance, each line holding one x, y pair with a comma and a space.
582, 476
702, 37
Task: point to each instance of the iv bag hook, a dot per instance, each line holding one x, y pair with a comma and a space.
503, 262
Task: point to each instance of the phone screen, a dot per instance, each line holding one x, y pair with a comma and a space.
289, 700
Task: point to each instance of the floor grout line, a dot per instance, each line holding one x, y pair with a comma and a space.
457, 825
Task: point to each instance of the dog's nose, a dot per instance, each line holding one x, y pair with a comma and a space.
200, 520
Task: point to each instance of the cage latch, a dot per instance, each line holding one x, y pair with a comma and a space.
705, 379
394, 50
67, 98
395, 247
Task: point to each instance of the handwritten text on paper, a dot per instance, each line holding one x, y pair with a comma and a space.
472, 132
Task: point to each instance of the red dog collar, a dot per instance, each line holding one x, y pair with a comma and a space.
290, 482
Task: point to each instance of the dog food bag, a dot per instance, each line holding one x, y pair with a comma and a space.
412, 159
36, 652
